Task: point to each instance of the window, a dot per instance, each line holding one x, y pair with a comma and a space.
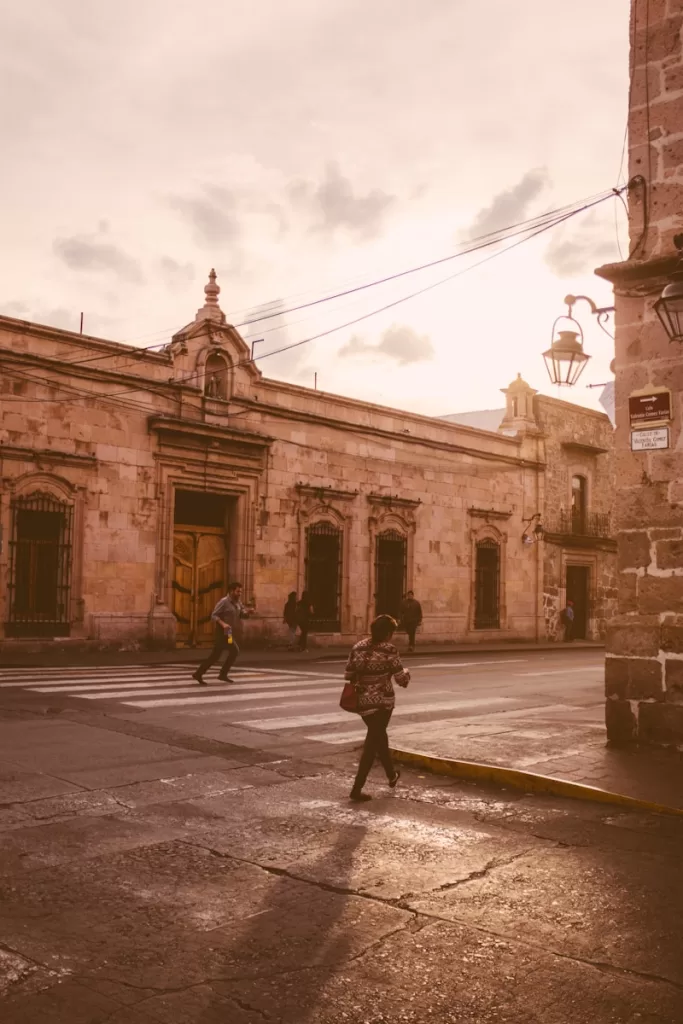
324, 575
40, 567
390, 572
515, 407
579, 503
487, 586
216, 377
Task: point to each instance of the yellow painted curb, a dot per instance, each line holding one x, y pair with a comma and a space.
528, 781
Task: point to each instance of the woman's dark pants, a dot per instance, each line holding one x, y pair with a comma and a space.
376, 745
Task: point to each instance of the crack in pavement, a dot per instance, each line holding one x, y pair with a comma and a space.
492, 865
400, 904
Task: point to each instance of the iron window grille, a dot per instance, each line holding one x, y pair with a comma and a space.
324, 575
40, 557
391, 564
487, 586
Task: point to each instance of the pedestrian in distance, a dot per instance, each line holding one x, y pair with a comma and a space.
567, 619
289, 618
372, 665
304, 614
227, 615
411, 617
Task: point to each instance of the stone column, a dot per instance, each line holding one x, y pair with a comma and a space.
644, 664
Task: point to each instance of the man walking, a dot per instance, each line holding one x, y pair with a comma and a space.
411, 617
227, 615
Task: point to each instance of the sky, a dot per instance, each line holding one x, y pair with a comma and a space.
308, 147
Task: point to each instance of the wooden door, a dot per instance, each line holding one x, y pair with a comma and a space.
210, 577
198, 582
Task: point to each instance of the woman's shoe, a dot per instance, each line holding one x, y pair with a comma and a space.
392, 782
358, 796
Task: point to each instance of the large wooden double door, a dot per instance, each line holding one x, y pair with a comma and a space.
199, 558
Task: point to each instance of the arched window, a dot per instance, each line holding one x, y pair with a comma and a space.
324, 575
391, 550
579, 504
40, 566
216, 379
487, 585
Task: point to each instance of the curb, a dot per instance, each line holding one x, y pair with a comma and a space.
529, 781
112, 659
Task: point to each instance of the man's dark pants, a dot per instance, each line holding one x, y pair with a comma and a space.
376, 744
220, 644
411, 630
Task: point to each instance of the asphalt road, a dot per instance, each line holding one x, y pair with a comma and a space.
154, 869
296, 709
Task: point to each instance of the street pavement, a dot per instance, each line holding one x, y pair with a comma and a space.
541, 711
150, 873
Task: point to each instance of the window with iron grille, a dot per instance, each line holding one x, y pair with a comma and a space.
487, 586
40, 566
324, 575
391, 551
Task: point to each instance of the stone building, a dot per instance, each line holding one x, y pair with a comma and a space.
644, 665
135, 484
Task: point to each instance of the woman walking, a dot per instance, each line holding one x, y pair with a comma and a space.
371, 666
289, 618
304, 614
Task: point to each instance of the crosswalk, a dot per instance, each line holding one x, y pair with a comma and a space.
302, 702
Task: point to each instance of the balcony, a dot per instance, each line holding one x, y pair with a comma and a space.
579, 529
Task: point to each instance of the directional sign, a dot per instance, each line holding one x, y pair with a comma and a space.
649, 440
654, 407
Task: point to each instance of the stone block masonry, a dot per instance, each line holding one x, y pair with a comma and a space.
644, 666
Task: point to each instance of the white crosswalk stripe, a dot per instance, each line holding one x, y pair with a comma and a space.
303, 702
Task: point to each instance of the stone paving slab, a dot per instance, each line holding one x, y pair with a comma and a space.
555, 743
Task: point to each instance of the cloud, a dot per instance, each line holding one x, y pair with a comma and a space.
212, 216
582, 247
333, 204
93, 253
398, 342
176, 275
510, 206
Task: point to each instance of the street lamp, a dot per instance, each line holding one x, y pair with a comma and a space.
565, 360
669, 307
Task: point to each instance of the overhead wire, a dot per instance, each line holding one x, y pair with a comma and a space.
186, 379
490, 238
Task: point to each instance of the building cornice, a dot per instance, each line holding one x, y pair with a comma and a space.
391, 435
634, 278
321, 492
394, 501
585, 449
47, 455
84, 341
61, 368
200, 431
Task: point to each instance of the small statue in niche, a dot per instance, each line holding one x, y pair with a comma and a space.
213, 387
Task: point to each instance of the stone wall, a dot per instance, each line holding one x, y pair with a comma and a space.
114, 435
645, 652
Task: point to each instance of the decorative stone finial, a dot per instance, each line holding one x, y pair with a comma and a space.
211, 310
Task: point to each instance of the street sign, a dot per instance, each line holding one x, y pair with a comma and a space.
649, 440
653, 407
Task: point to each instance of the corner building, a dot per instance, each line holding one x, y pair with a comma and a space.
644, 665
134, 485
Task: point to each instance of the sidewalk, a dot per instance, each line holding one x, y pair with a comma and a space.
563, 742
66, 655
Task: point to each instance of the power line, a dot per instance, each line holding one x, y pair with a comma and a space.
490, 238
529, 235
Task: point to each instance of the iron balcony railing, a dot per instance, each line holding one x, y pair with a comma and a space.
582, 524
